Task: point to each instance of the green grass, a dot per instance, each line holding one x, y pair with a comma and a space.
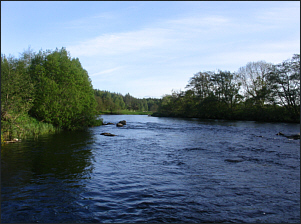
126, 112
25, 126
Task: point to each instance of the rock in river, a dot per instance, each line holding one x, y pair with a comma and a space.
122, 122
295, 137
234, 160
107, 134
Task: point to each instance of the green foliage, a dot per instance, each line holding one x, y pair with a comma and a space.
17, 94
24, 126
126, 112
284, 80
51, 87
44, 92
63, 91
259, 91
16, 88
117, 103
253, 78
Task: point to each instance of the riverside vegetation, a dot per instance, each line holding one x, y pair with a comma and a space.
44, 92
116, 103
49, 91
259, 91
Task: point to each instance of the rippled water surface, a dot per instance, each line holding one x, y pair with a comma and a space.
155, 170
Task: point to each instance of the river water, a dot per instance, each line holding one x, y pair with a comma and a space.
155, 170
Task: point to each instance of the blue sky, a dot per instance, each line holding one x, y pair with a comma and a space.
149, 48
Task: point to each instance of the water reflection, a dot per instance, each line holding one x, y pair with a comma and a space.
155, 170
47, 171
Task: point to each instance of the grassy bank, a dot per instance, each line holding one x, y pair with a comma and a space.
24, 126
126, 112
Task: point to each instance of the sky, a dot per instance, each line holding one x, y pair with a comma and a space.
149, 48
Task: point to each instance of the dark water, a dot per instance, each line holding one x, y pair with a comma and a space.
155, 170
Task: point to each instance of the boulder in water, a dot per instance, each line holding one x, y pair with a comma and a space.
234, 160
107, 134
294, 137
122, 122
280, 133
119, 125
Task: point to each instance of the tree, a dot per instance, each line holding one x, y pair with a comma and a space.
63, 90
226, 87
201, 84
190, 104
165, 108
267, 89
118, 101
211, 108
99, 102
145, 105
17, 95
284, 83
128, 100
253, 78
152, 105
27, 56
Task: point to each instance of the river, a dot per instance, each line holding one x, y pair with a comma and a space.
155, 170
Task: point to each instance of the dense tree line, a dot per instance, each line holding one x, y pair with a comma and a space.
49, 86
114, 102
258, 91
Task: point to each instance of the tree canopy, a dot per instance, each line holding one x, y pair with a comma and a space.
49, 86
114, 102
63, 91
258, 91
53, 88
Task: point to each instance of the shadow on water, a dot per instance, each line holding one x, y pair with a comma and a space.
155, 170
44, 169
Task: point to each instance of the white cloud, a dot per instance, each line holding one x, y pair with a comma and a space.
107, 71
168, 35
121, 43
199, 22
280, 15
90, 22
171, 51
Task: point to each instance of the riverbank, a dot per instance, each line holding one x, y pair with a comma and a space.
24, 126
125, 112
279, 116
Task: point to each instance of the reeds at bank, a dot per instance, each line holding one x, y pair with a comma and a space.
25, 126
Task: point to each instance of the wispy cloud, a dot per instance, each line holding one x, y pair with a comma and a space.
121, 43
196, 21
181, 47
107, 71
280, 15
173, 38
169, 37
167, 42
90, 24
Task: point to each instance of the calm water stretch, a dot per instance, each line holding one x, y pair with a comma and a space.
155, 170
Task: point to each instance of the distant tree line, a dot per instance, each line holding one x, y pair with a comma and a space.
258, 91
49, 86
114, 102
50, 89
